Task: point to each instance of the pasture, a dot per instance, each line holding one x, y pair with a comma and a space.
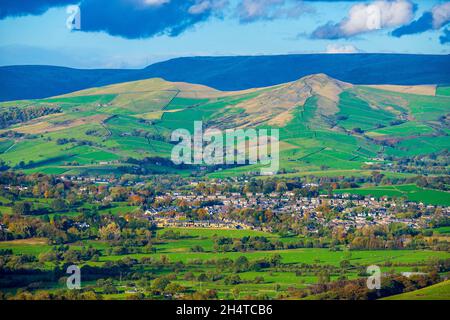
409, 191
439, 291
267, 282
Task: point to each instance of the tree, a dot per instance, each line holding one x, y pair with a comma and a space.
323, 277
159, 284
281, 187
72, 256
109, 232
232, 279
269, 186
22, 208
275, 259
189, 276
202, 277
3, 166
236, 292
59, 205
174, 288
344, 264
241, 264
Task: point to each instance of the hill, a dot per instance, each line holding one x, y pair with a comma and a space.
243, 72
232, 73
440, 291
327, 126
276, 105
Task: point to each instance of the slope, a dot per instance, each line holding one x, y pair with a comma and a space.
325, 125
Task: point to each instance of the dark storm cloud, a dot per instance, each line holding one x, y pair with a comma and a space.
135, 19
15, 8
126, 18
438, 17
424, 23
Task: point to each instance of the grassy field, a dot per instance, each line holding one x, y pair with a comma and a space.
33, 246
359, 114
440, 291
443, 91
406, 129
179, 249
272, 280
409, 191
442, 230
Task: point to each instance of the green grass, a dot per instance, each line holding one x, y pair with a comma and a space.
443, 91
411, 128
5, 145
102, 99
26, 247
345, 173
442, 230
439, 291
119, 208
48, 170
410, 191
233, 233
179, 250
310, 256
359, 114
182, 103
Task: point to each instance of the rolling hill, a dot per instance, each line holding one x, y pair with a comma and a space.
439, 291
326, 125
232, 73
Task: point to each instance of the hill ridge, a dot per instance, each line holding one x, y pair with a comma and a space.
231, 73
323, 123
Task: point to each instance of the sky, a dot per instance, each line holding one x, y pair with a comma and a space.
136, 33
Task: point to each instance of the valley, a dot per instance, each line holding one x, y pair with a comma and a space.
87, 179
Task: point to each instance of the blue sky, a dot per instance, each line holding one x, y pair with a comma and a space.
135, 33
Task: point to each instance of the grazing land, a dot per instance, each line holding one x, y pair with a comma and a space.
440, 291
325, 125
411, 192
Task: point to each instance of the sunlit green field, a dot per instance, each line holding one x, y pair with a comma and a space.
440, 291
411, 192
272, 280
179, 250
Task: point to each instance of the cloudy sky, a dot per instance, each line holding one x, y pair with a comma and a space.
135, 33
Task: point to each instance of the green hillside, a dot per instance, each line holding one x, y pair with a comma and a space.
440, 291
411, 192
325, 125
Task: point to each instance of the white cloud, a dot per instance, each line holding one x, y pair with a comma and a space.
341, 48
366, 17
155, 3
253, 10
441, 15
377, 15
202, 6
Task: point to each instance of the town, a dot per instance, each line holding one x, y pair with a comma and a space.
352, 210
